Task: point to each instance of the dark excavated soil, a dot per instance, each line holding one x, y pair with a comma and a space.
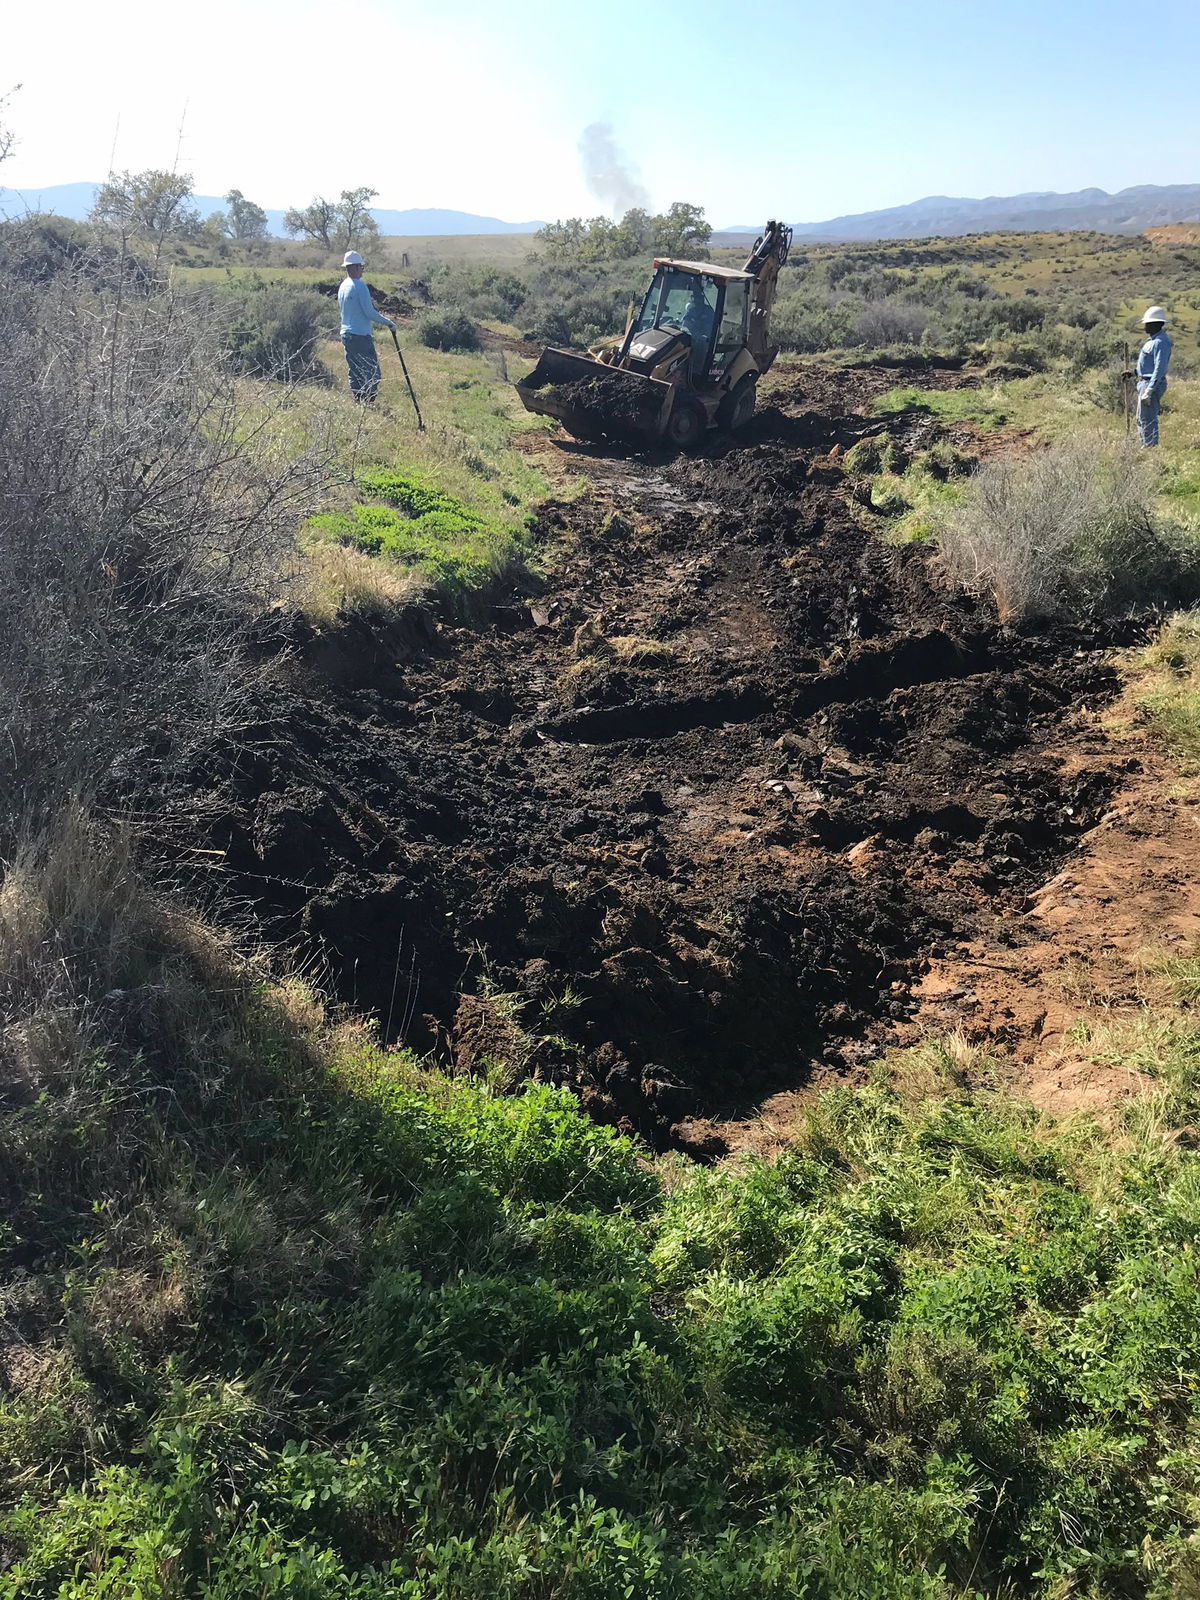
683, 830
608, 403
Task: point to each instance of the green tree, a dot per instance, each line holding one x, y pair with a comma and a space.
599, 239
640, 224
244, 220
563, 241
355, 224
680, 228
150, 204
316, 221
337, 224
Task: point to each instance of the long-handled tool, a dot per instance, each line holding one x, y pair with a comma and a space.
1125, 394
408, 381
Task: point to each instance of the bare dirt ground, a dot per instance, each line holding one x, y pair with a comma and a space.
738, 799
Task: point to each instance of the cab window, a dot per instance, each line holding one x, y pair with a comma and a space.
676, 299
732, 333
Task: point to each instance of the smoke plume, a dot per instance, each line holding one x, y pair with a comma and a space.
610, 174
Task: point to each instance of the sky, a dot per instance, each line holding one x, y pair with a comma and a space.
797, 109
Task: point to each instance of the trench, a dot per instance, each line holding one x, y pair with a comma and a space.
681, 882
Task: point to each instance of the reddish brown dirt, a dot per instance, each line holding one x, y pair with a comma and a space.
1084, 947
688, 827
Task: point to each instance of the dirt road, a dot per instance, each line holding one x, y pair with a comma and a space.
687, 827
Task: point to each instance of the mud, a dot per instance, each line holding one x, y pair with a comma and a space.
689, 827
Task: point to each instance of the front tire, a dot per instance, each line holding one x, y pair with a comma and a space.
737, 408
687, 425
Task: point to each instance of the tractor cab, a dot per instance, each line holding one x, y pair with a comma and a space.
694, 315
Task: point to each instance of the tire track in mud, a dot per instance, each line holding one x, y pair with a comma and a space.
686, 829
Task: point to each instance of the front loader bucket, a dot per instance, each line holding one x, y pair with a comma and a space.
591, 398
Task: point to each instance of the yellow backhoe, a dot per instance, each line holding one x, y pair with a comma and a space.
690, 359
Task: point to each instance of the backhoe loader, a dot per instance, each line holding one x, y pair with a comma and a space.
690, 358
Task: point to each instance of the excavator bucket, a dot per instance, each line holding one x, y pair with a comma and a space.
593, 399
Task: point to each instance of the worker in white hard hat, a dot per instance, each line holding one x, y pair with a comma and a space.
1153, 359
359, 316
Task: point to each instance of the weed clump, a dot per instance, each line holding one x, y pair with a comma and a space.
1068, 532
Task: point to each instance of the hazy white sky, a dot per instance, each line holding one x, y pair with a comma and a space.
798, 108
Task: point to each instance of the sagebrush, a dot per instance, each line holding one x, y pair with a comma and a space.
1069, 531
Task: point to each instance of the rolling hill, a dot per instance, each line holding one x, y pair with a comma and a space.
942, 216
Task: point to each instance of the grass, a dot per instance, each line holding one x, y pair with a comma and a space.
236, 272
407, 520
469, 451
1165, 687
287, 1314
913, 492
948, 405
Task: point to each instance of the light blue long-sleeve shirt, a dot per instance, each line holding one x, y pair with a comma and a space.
1153, 359
358, 314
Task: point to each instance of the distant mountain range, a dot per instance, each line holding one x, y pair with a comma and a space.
75, 200
940, 216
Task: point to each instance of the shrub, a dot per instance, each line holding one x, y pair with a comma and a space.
891, 322
807, 326
448, 330
143, 521
274, 330
1068, 531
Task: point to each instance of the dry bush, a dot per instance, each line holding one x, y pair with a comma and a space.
337, 580
90, 957
1068, 531
145, 515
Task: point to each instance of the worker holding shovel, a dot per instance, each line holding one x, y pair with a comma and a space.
358, 318
1152, 362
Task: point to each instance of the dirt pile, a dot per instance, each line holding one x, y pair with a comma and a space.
687, 829
609, 403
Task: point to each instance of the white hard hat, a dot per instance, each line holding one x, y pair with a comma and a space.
1155, 314
352, 259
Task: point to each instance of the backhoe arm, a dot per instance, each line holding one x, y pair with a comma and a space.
764, 261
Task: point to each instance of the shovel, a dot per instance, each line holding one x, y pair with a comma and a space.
408, 381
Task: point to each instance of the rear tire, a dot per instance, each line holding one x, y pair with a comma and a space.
687, 425
737, 408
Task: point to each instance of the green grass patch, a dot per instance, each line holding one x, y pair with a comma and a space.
318, 1322
909, 490
469, 454
949, 405
458, 550
252, 272
1166, 687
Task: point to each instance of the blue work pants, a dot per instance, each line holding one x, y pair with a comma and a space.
363, 362
1149, 401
